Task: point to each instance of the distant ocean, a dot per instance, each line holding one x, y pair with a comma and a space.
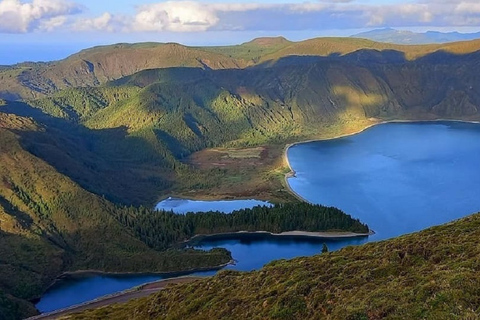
14, 53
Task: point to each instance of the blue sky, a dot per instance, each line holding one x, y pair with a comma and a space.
64, 26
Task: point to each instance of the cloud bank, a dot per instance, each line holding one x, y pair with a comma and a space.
21, 17
199, 16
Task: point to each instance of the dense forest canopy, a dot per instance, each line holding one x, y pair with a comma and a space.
162, 229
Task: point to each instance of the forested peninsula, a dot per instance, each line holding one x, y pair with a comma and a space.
162, 229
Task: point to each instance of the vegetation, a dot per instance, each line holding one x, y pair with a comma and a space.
433, 274
98, 65
111, 128
49, 224
156, 120
160, 230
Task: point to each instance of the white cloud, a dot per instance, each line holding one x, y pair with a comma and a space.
407, 14
179, 16
307, 7
52, 23
20, 17
187, 16
468, 8
105, 22
201, 15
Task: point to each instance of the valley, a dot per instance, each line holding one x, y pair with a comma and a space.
90, 143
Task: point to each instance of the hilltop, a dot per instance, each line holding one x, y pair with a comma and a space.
95, 66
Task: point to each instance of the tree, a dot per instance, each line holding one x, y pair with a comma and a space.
324, 248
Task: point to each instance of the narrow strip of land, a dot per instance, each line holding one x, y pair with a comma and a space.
120, 297
294, 233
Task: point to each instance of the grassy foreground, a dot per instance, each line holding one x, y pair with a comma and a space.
433, 274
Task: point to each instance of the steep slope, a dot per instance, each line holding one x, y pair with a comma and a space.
197, 108
341, 46
48, 225
433, 274
98, 65
93, 158
166, 115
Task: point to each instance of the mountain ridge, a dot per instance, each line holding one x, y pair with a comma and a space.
391, 35
95, 66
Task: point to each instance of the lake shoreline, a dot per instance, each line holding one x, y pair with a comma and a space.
92, 272
168, 273
292, 173
296, 234
118, 297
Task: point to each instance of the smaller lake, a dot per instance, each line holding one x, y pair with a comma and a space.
76, 290
183, 206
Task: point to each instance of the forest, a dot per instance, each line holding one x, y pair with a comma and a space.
161, 230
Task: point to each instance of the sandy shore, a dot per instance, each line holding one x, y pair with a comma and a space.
295, 233
333, 234
119, 297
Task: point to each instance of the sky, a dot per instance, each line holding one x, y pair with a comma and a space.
51, 29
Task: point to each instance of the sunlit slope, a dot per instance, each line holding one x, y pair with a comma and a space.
342, 46
48, 225
149, 123
95, 66
297, 96
433, 274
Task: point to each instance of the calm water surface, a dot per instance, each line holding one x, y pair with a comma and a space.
185, 205
398, 178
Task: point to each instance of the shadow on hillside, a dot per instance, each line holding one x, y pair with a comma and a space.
371, 57
108, 162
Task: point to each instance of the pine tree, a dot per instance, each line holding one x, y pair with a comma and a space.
324, 248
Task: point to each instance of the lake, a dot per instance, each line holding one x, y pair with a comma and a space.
183, 206
396, 177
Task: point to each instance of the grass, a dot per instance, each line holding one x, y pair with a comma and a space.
49, 225
433, 274
245, 153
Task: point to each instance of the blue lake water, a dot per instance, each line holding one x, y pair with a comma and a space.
227, 206
397, 177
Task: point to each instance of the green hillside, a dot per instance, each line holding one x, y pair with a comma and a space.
89, 142
168, 115
433, 274
48, 225
95, 66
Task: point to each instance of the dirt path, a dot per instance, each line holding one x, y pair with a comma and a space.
121, 297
